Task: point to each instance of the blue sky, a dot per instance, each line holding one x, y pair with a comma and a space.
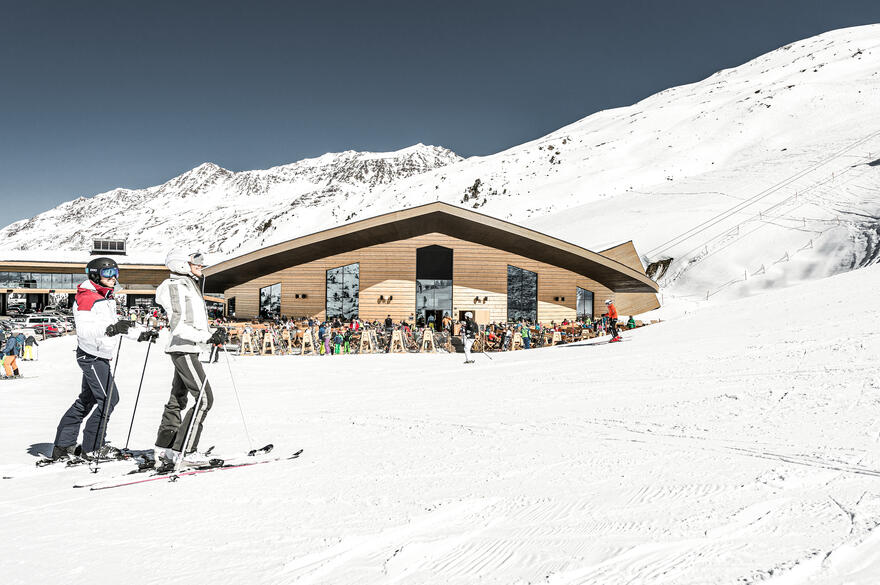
103, 94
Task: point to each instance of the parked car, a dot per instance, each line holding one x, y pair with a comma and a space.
34, 321
47, 329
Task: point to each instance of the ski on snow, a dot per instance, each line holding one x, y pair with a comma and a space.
45, 465
172, 476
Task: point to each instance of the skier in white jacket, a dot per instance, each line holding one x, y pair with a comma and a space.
189, 331
94, 312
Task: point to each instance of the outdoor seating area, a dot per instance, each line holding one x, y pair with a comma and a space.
305, 337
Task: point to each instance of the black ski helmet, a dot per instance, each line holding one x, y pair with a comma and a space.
96, 265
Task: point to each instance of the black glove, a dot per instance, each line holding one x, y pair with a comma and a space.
148, 335
122, 326
219, 337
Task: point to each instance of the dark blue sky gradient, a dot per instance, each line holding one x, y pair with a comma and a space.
97, 95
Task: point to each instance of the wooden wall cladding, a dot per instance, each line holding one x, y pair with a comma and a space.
631, 303
388, 270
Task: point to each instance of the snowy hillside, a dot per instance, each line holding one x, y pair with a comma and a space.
743, 449
758, 176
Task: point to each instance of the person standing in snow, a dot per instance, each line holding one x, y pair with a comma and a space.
10, 365
182, 300
469, 332
612, 319
29, 344
94, 313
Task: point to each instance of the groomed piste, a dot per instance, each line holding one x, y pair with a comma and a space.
737, 444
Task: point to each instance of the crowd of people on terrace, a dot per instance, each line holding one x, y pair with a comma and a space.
338, 336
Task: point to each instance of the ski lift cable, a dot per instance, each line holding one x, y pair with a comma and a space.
684, 257
754, 199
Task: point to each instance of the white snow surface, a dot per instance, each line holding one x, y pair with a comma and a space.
757, 177
738, 444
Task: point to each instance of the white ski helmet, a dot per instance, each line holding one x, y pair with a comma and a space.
607, 301
178, 261
468, 315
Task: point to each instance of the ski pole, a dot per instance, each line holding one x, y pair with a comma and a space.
105, 415
138, 397
192, 423
238, 400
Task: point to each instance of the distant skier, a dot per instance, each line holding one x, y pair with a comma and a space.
94, 313
29, 343
612, 320
182, 300
469, 332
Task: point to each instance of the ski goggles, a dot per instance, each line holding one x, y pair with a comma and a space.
198, 259
109, 272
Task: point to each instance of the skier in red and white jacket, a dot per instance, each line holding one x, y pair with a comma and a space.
94, 313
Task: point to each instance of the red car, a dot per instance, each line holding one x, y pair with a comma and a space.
50, 330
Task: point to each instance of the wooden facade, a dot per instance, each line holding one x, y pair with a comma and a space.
631, 303
388, 271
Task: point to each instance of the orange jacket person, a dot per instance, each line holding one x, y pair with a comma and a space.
612, 318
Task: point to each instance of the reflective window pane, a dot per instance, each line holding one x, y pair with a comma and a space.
522, 294
584, 303
343, 292
270, 301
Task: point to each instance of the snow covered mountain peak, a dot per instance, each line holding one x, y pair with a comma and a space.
219, 209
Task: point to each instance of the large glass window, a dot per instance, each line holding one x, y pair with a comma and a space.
270, 301
46, 280
433, 284
343, 286
522, 294
584, 303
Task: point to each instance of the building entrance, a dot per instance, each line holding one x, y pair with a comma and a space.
433, 284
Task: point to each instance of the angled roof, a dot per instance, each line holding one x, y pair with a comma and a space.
434, 217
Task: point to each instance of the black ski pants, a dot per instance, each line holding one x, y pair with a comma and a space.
189, 376
93, 395
613, 324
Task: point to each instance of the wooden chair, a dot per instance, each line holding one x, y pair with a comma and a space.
286, 343
367, 343
517, 341
268, 344
397, 344
428, 345
308, 343
557, 338
247, 345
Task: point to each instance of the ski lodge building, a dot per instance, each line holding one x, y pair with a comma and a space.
428, 260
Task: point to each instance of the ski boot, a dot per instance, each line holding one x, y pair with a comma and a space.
62, 453
104, 453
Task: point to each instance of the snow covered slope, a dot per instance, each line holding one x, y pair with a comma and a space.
755, 177
742, 449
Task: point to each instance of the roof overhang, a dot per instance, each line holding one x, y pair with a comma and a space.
434, 217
